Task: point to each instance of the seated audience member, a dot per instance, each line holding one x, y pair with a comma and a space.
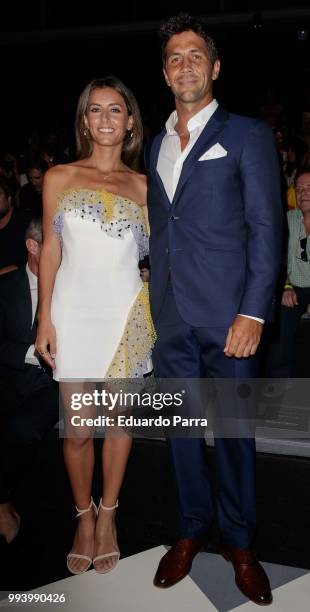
30, 195
296, 294
29, 398
30, 149
9, 169
291, 192
13, 224
52, 150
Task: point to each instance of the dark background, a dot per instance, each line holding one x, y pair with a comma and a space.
51, 48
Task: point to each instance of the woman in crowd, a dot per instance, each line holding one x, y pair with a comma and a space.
94, 318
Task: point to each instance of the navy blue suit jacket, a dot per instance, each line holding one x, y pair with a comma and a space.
17, 332
221, 235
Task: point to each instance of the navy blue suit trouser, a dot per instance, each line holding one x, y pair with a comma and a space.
181, 351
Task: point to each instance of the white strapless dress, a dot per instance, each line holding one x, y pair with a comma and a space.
100, 307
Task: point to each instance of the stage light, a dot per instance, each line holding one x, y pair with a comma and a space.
302, 34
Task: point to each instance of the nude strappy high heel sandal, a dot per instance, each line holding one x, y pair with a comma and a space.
114, 553
72, 555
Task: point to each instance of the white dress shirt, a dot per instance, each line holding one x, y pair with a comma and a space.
171, 158
33, 283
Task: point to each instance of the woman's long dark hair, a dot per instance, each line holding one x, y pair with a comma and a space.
133, 141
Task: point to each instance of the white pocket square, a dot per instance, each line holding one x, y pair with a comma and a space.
214, 152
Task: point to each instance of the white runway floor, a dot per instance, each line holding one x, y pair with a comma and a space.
210, 588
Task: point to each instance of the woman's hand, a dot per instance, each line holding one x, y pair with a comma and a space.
46, 342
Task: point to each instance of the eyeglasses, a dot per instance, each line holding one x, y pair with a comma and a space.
303, 246
300, 190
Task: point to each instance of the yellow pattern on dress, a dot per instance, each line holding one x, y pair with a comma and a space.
137, 340
113, 205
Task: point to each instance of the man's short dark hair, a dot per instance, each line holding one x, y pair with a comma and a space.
183, 22
37, 163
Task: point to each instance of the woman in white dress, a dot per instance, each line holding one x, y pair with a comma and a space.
94, 317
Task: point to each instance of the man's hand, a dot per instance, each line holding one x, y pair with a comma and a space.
289, 298
243, 337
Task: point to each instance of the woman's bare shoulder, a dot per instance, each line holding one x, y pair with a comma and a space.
60, 171
61, 176
138, 183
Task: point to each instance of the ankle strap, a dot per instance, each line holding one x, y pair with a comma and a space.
107, 507
84, 510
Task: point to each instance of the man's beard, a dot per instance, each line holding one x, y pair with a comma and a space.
192, 95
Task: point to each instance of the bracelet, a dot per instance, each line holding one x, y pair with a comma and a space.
288, 286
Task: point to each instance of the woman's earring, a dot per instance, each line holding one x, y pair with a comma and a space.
85, 132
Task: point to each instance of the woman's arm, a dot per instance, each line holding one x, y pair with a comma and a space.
141, 189
49, 263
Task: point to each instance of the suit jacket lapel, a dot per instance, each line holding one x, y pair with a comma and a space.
209, 134
153, 165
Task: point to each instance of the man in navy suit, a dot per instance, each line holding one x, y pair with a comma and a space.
215, 216
29, 396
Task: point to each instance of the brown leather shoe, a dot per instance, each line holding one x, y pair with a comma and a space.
177, 562
250, 576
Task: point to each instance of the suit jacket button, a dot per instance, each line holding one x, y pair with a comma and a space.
167, 251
